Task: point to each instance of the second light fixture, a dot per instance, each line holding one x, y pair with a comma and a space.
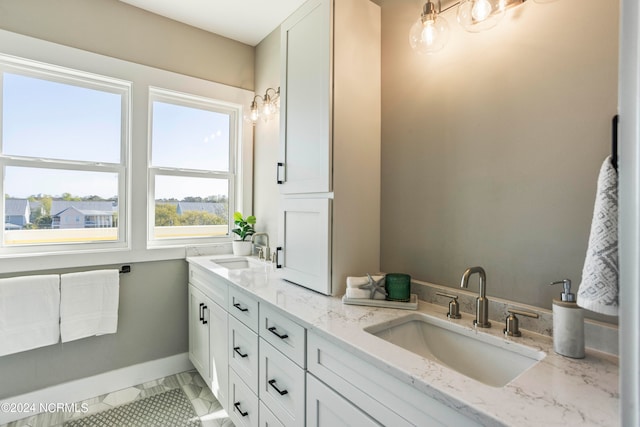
431, 31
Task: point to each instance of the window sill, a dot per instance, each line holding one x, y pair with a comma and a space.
54, 261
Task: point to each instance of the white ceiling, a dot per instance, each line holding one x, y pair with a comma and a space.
248, 21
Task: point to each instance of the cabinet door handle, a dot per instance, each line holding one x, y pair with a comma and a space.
201, 311
278, 249
237, 350
273, 331
237, 305
272, 383
204, 321
237, 406
279, 166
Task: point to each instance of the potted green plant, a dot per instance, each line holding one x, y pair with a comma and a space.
244, 228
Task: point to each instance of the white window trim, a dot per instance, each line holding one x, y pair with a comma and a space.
73, 77
187, 100
142, 78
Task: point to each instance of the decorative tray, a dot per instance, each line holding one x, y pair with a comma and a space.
412, 304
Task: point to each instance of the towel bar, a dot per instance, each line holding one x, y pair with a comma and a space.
614, 142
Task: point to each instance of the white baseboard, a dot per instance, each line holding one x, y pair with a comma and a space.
85, 388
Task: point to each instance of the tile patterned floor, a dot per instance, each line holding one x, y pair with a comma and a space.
204, 403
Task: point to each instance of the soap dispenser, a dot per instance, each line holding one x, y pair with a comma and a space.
568, 323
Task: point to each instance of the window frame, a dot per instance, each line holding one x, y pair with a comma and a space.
142, 78
157, 94
54, 73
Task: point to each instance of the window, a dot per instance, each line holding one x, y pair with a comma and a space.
84, 157
63, 157
192, 167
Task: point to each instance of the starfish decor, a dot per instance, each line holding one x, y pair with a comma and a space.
375, 286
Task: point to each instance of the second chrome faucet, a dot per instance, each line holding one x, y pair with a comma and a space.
482, 303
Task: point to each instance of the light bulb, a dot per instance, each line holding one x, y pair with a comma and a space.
481, 10
429, 33
267, 109
254, 115
480, 15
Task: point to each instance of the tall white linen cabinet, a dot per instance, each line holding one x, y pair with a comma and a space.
329, 162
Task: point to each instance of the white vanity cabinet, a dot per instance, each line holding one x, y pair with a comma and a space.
243, 358
329, 165
266, 364
208, 324
385, 399
282, 366
199, 332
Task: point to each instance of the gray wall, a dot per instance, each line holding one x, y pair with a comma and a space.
266, 193
153, 298
491, 148
119, 30
152, 324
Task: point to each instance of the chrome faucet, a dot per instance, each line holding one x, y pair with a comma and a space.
265, 250
482, 303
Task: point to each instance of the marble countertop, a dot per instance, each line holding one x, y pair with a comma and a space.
557, 391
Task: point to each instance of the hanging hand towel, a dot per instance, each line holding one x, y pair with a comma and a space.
88, 304
599, 288
29, 312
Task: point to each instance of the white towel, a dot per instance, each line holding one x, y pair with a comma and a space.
29, 312
356, 282
88, 304
362, 293
599, 288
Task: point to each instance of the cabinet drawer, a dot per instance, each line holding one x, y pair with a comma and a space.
211, 285
282, 385
377, 393
243, 353
326, 408
267, 419
284, 334
244, 409
244, 308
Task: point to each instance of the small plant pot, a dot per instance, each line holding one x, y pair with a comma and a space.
242, 247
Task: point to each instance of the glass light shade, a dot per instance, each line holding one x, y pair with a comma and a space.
480, 15
429, 35
254, 115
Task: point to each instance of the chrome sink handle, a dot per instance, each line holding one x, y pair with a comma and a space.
482, 303
511, 322
454, 307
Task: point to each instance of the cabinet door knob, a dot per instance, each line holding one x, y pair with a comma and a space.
237, 406
272, 383
274, 332
237, 350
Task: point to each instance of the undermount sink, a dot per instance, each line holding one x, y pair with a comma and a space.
491, 360
236, 263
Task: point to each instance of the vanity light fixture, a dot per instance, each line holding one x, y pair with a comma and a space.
430, 32
269, 105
